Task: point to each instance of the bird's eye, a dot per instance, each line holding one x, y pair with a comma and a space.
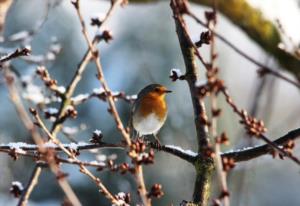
157, 89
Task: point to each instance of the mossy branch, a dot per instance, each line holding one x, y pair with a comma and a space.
252, 21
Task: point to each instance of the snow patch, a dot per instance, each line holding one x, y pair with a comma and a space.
80, 98
188, 152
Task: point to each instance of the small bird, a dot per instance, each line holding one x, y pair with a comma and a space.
150, 110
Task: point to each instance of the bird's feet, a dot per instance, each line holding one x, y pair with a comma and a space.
157, 145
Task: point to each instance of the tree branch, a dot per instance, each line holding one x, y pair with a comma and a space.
96, 58
83, 169
31, 184
254, 152
186, 155
204, 165
263, 68
256, 127
26, 120
238, 155
17, 53
72, 146
256, 26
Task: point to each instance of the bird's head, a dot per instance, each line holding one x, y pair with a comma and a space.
155, 90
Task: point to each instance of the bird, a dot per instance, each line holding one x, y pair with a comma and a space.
149, 111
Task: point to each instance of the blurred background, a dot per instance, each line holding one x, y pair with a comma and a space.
144, 49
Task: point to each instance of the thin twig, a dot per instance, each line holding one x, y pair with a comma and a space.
83, 169
79, 146
254, 110
222, 174
15, 97
110, 99
96, 57
280, 150
264, 69
260, 135
30, 186
78, 74
40, 158
17, 53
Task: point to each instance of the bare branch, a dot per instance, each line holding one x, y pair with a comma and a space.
26, 120
96, 58
78, 74
18, 53
204, 164
31, 184
256, 127
263, 68
49, 145
254, 152
238, 155
186, 155
71, 155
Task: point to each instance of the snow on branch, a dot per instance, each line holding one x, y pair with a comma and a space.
50, 145
254, 152
236, 155
187, 155
17, 53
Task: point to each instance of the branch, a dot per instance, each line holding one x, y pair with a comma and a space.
31, 184
192, 74
96, 58
5, 5
254, 152
256, 127
256, 26
204, 165
78, 74
238, 155
263, 68
16, 100
49, 145
83, 169
186, 155
18, 53
211, 75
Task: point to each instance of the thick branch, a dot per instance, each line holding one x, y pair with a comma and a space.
187, 155
191, 76
204, 164
254, 152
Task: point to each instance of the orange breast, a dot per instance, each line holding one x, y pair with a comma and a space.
150, 104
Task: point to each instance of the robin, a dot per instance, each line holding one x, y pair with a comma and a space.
150, 110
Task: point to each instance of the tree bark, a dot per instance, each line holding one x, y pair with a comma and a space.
204, 165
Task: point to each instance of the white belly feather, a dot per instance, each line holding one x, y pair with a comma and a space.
147, 125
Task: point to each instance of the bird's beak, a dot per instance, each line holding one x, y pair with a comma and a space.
168, 91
